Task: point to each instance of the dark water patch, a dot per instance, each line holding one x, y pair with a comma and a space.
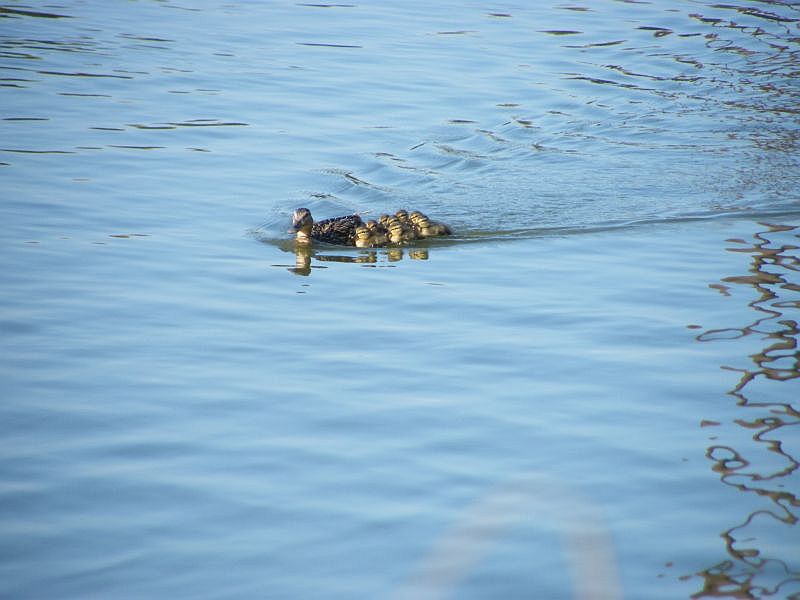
208, 123
19, 55
25, 45
752, 11
26, 119
597, 44
657, 31
84, 95
6, 12
134, 147
142, 38
84, 74
600, 81
190, 123
22, 151
560, 32
151, 127
328, 45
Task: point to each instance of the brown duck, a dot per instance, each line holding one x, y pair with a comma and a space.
338, 230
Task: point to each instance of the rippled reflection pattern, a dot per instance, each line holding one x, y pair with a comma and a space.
759, 563
366, 258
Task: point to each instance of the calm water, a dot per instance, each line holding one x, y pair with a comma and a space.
590, 391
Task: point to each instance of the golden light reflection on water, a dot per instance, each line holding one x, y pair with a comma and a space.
771, 416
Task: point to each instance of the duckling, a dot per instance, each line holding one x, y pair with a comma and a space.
378, 232
338, 230
399, 233
364, 237
408, 225
428, 228
415, 216
395, 231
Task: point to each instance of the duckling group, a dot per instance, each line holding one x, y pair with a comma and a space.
400, 228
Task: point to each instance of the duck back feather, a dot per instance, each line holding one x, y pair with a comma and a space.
338, 230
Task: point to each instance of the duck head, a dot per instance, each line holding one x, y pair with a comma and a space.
425, 227
363, 237
302, 222
396, 232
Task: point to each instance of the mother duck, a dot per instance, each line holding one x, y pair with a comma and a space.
338, 230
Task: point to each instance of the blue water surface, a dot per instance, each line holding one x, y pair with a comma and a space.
588, 391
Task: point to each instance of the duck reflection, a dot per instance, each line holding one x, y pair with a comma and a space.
757, 567
304, 255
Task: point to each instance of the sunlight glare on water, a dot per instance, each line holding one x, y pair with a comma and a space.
588, 391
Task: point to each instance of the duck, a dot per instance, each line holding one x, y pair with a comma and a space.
364, 237
427, 228
338, 230
415, 216
410, 232
400, 233
378, 232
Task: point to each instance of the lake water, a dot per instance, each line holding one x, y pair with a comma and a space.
589, 391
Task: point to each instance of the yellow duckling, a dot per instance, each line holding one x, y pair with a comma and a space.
398, 234
428, 228
415, 216
378, 231
408, 227
364, 238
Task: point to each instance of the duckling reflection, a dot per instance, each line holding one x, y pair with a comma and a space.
366, 256
418, 254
